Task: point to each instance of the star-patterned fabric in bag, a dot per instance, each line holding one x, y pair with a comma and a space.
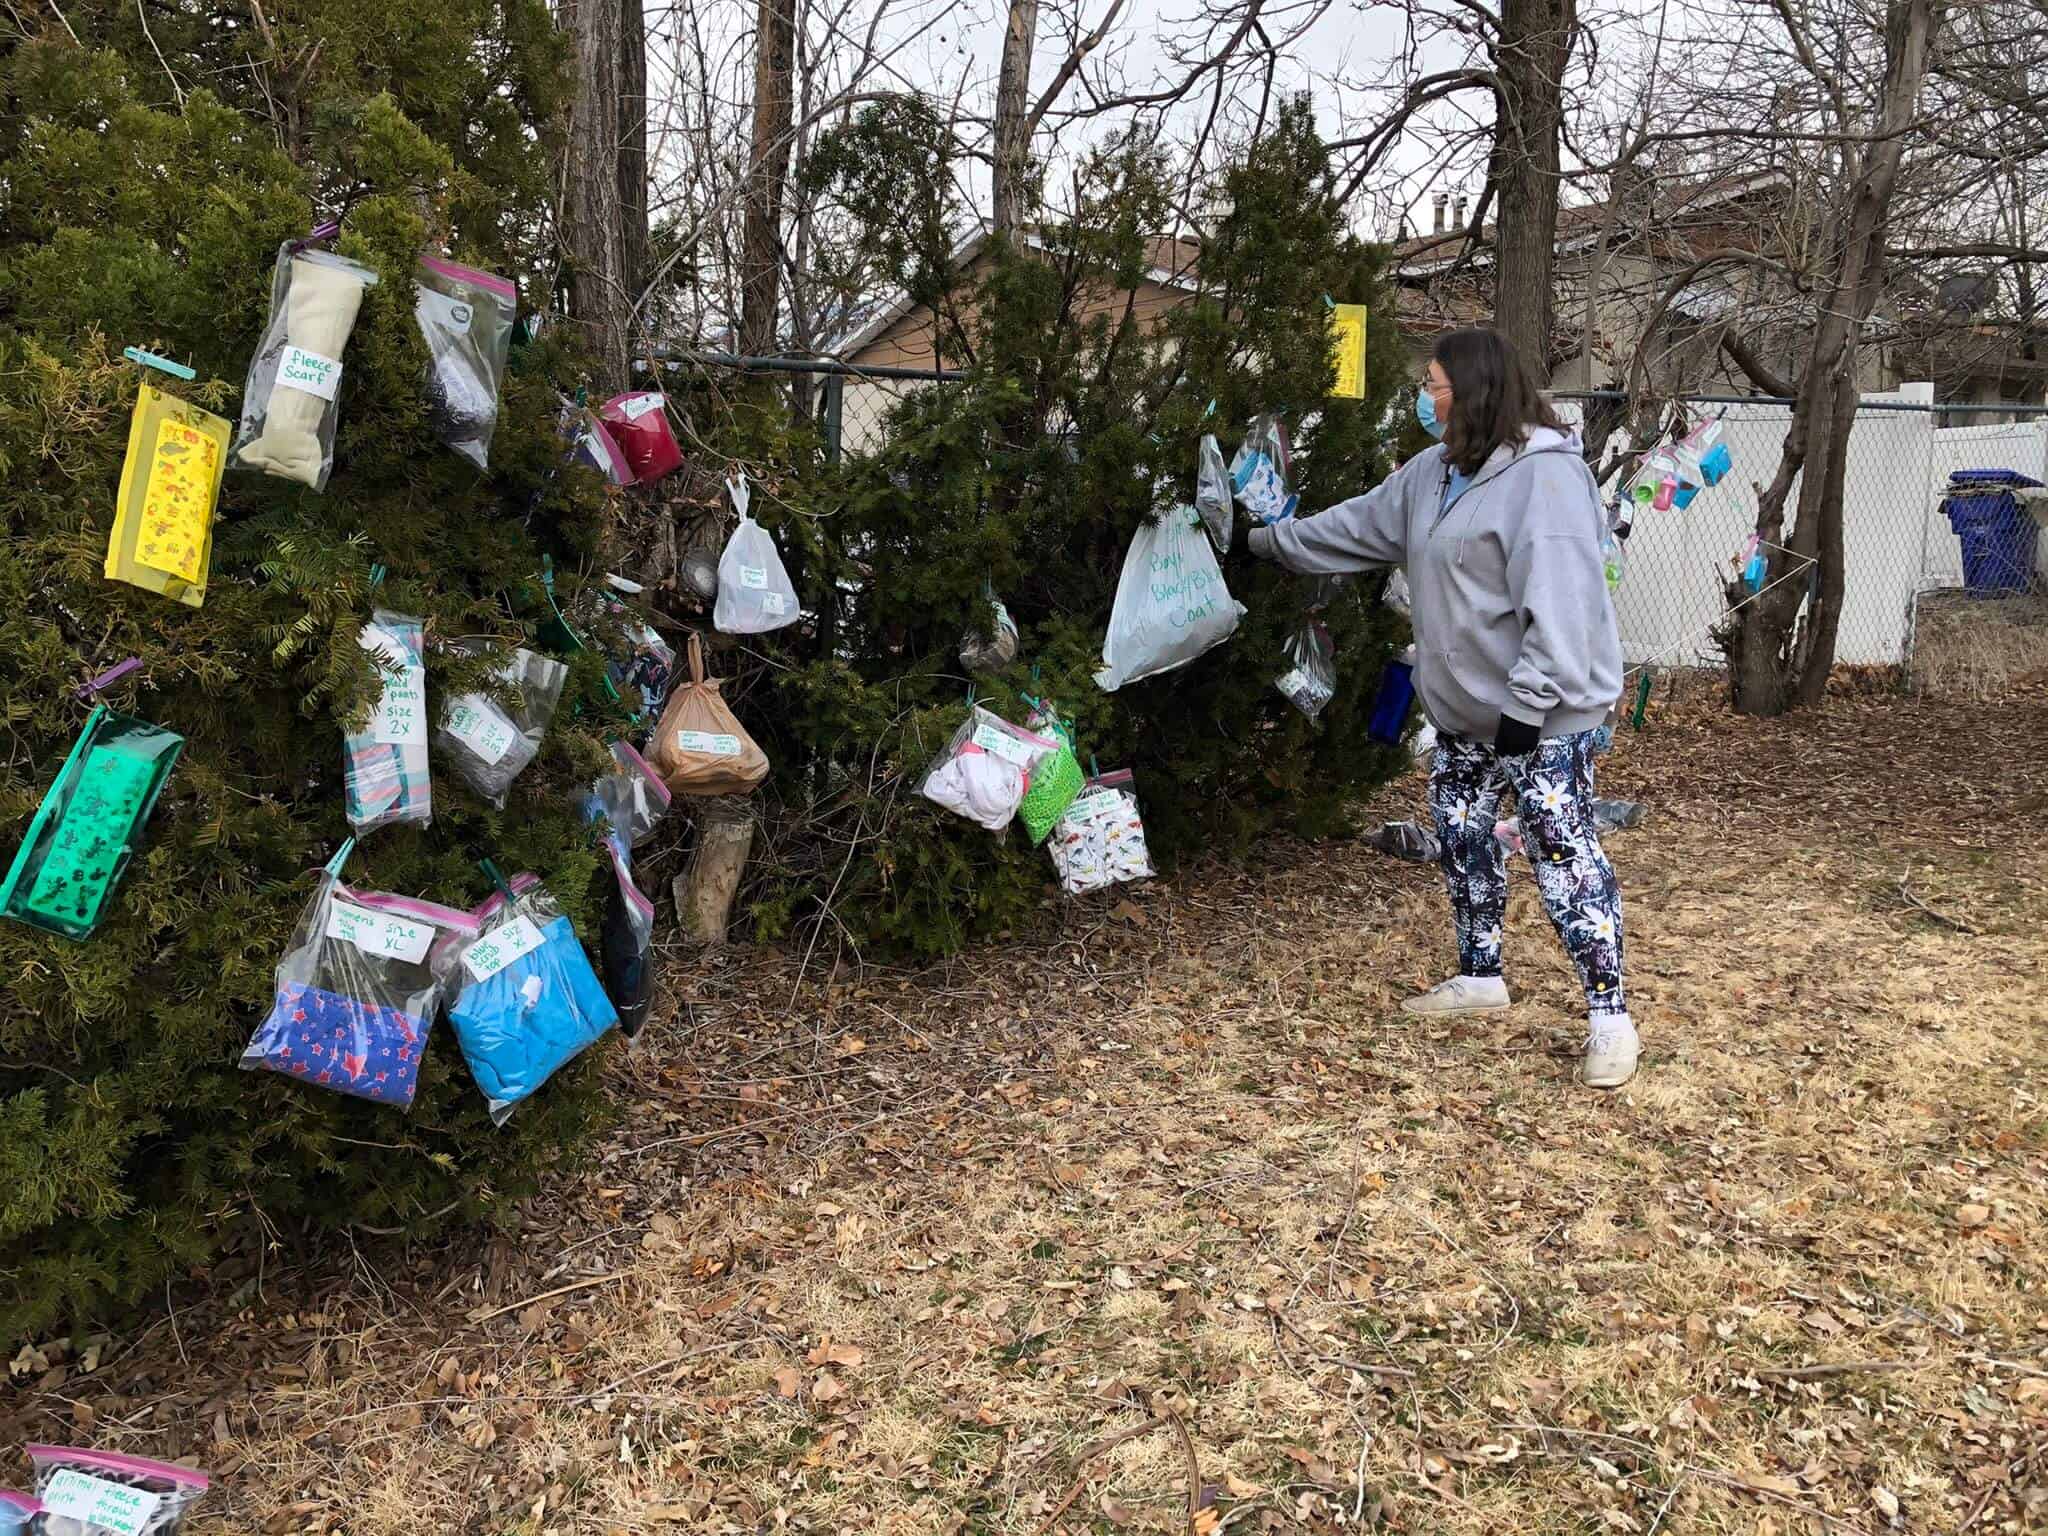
343, 1043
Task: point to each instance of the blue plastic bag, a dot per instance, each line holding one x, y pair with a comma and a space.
1390, 707
530, 1001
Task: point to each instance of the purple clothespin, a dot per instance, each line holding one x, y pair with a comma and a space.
108, 678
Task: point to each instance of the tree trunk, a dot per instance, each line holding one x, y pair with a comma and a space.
705, 891
1780, 647
633, 240
761, 240
1012, 147
600, 300
1535, 47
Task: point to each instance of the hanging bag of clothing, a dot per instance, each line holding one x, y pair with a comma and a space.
755, 594
699, 746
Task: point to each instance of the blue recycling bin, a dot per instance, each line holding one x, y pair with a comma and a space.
1998, 534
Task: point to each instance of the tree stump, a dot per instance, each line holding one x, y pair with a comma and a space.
704, 891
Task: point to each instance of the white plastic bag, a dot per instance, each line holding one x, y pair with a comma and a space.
1171, 604
755, 594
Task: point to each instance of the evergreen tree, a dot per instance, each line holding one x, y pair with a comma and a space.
148, 183
1074, 427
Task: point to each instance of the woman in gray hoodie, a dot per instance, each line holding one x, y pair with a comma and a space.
1499, 528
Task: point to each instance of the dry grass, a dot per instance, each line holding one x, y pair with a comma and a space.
908, 1254
1967, 647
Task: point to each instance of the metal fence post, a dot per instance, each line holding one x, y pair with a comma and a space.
835, 414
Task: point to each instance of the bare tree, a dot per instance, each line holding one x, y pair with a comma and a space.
597, 183
1523, 173
1011, 148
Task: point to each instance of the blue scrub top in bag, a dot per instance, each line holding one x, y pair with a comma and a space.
521, 1024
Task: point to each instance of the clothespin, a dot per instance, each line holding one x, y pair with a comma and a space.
1328, 302
108, 678
496, 879
1208, 410
340, 858
970, 695
1635, 718
1094, 768
326, 229
152, 360
547, 579
376, 575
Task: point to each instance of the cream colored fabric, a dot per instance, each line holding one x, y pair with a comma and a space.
320, 312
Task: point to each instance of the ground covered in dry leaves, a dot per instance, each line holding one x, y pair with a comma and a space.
1164, 1221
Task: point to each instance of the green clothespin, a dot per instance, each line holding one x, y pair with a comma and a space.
1328, 302
970, 695
152, 360
496, 879
376, 575
340, 858
1094, 768
1635, 718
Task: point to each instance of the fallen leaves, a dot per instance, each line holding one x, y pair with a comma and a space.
829, 1353
1968, 1216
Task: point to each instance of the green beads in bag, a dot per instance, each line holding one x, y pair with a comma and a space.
89, 825
1055, 779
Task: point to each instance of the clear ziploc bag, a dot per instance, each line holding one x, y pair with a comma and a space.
357, 990
89, 824
289, 401
640, 658
384, 766
986, 768
1310, 681
631, 798
638, 423
626, 940
590, 443
529, 1001
1213, 492
996, 647
18, 1512
466, 317
98, 1493
490, 745
162, 538
1262, 471
755, 594
1171, 604
1100, 840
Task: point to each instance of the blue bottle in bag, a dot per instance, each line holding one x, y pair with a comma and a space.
1391, 704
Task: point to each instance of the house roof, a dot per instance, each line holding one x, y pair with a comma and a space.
1173, 264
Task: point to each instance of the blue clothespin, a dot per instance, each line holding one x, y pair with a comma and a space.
376, 575
152, 360
1328, 302
340, 858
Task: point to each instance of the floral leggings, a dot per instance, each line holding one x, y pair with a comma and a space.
1553, 791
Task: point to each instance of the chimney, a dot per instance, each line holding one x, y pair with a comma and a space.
1440, 201
1459, 222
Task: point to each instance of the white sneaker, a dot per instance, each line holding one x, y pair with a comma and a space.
1611, 1051
1459, 995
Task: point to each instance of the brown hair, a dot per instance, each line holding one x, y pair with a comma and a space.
1494, 397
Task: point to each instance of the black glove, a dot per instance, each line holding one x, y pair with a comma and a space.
1515, 737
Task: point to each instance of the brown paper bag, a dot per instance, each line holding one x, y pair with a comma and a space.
700, 747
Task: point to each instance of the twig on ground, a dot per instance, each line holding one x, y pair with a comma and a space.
1187, 1446
560, 1290
1089, 1452
1350, 1365
1906, 895
1840, 1368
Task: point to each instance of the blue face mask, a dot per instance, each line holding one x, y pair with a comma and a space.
1425, 413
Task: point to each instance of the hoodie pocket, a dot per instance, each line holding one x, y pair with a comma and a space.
1449, 703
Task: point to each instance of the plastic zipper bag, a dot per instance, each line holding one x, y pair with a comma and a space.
162, 538
290, 401
490, 745
1262, 472
1171, 604
1213, 492
98, 1493
638, 423
986, 769
590, 444
626, 940
631, 798
384, 766
1100, 840
699, 745
357, 991
18, 1512
89, 825
466, 317
529, 1001
1310, 681
994, 647
640, 658
755, 594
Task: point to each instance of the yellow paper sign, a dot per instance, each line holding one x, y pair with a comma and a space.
1347, 347
177, 503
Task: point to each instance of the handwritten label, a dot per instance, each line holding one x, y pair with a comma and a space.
1186, 593
755, 576
639, 405
774, 602
99, 1504
379, 933
500, 947
309, 372
480, 726
707, 742
1000, 743
401, 716
1096, 805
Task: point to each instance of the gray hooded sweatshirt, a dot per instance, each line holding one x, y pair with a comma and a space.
1510, 602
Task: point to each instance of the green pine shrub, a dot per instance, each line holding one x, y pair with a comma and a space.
132, 1149
1032, 475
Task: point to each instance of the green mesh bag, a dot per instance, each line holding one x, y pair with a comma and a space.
1055, 780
